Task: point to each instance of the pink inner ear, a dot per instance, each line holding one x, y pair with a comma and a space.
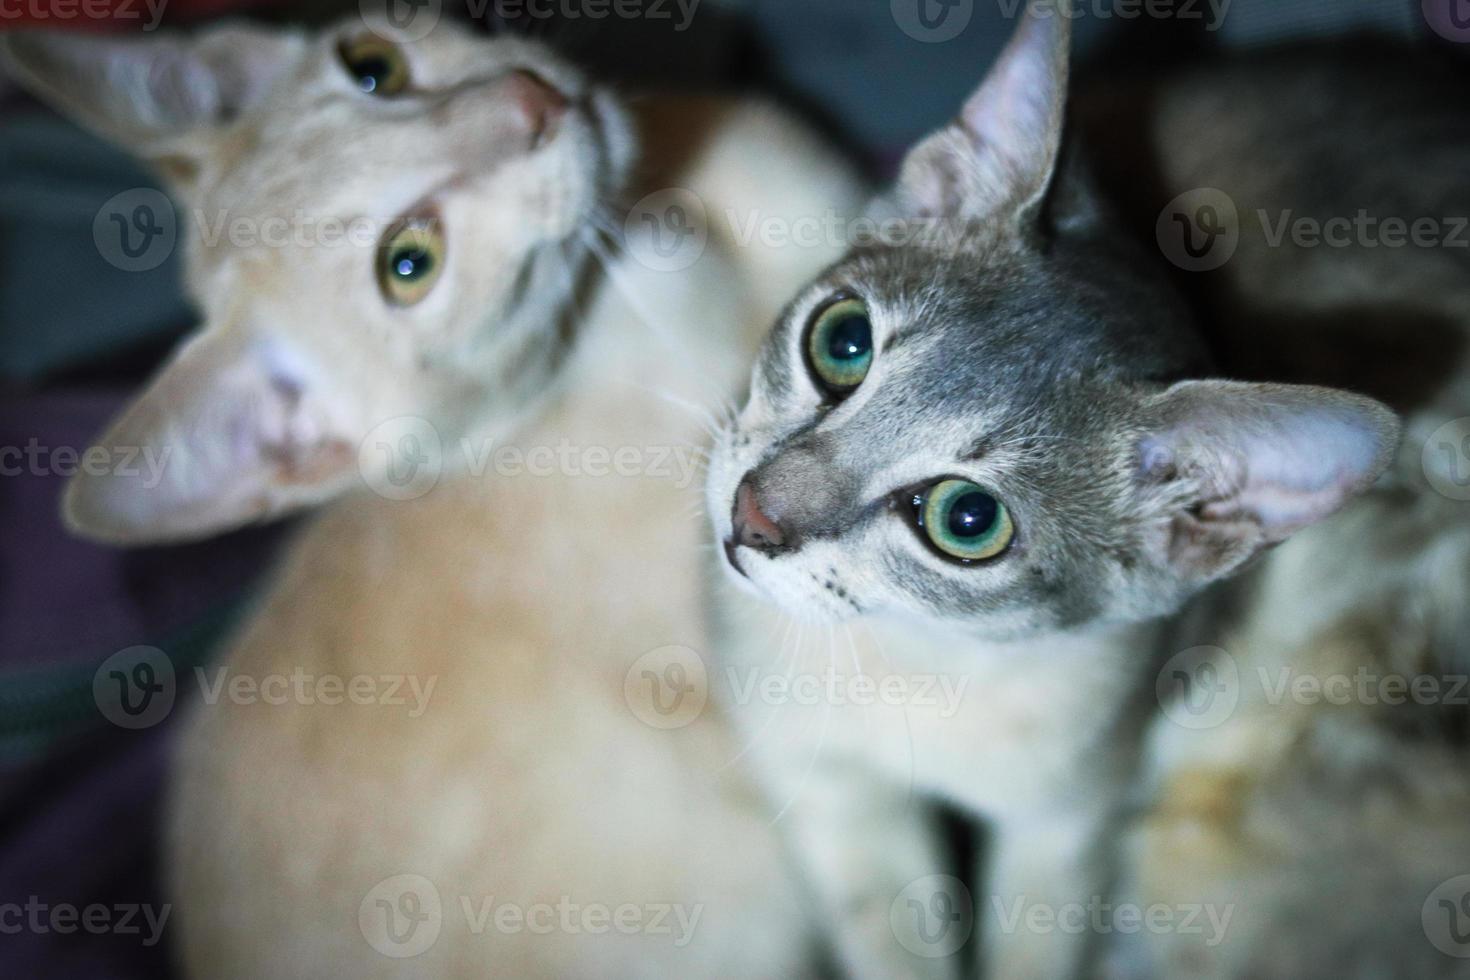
245, 437
1307, 469
177, 89
1284, 457
998, 157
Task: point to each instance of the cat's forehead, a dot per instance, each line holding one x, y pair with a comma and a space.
996, 357
1012, 322
334, 164
955, 330
321, 144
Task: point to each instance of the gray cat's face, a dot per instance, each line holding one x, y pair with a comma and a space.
979, 427
971, 460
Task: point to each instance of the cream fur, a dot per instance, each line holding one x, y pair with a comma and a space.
528, 778
524, 776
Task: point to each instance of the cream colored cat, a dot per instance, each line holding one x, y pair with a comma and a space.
530, 812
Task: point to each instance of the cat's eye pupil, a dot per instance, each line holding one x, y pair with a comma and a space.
412, 265
850, 339
371, 71
972, 515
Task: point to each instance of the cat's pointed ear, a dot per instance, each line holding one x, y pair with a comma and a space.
151, 94
1229, 468
998, 157
227, 434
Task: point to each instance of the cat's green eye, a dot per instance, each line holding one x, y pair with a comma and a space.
964, 521
410, 260
376, 65
839, 345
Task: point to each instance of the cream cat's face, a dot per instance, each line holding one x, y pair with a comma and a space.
372, 229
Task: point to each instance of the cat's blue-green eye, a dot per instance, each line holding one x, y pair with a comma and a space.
839, 346
965, 521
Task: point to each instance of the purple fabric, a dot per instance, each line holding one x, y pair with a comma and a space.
69, 601
79, 827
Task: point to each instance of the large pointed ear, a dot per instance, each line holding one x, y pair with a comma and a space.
1229, 468
998, 157
230, 432
152, 93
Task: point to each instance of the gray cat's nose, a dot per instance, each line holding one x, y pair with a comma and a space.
751, 527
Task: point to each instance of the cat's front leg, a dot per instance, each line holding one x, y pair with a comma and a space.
876, 864
1042, 902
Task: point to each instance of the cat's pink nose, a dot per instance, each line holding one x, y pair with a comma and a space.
751, 526
542, 104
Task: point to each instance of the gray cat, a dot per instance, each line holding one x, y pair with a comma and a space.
993, 444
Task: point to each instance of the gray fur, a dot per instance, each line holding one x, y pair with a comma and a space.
1026, 344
